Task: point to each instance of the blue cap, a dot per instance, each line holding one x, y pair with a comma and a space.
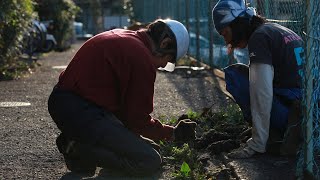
225, 11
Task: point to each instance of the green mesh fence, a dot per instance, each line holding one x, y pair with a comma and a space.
302, 16
288, 13
311, 100
206, 45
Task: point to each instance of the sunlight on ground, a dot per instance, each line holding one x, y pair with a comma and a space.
14, 104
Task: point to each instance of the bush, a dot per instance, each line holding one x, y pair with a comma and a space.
62, 13
15, 18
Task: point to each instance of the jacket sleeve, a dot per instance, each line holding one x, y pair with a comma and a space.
137, 103
261, 95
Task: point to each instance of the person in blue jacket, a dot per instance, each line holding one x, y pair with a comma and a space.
270, 86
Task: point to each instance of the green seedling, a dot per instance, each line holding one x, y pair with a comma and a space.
182, 159
184, 172
171, 121
193, 115
185, 169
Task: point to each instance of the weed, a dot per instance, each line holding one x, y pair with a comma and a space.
183, 158
166, 120
193, 115
16, 70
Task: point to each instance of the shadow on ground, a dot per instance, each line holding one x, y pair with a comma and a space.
106, 175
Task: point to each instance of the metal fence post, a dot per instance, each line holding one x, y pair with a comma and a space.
267, 10
197, 30
308, 147
210, 27
187, 15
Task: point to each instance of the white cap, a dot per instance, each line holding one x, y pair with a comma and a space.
182, 40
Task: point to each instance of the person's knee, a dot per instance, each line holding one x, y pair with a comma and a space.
155, 162
149, 164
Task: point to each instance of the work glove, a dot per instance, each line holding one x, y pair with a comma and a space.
185, 130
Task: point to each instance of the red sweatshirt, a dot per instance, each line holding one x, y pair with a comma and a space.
114, 70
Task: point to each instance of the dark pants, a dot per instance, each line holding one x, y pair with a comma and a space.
112, 144
237, 84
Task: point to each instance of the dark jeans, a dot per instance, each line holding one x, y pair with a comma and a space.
112, 143
237, 84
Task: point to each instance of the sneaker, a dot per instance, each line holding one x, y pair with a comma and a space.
242, 153
81, 166
293, 138
60, 142
77, 156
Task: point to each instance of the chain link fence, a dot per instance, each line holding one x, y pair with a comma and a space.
302, 16
206, 45
311, 101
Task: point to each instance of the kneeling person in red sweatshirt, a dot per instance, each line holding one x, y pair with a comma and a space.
103, 100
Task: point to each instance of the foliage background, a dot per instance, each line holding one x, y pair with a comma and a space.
15, 23
15, 18
62, 13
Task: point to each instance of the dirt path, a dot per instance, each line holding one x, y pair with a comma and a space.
27, 146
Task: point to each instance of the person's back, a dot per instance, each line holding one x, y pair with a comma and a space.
278, 46
101, 69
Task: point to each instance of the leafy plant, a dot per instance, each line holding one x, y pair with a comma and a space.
15, 18
184, 172
183, 158
193, 115
173, 121
185, 169
168, 120
16, 70
62, 13
231, 114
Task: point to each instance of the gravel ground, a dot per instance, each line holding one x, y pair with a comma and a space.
27, 146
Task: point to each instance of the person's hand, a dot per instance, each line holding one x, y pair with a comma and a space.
185, 130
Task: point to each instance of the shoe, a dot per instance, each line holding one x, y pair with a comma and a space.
77, 156
293, 138
61, 143
81, 166
242, 153
274, 141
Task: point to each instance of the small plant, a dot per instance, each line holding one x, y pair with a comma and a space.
193, 115
16, 70
184, 172
166, 120
182, 154
185, 169
173, 121
184, 160
233, 113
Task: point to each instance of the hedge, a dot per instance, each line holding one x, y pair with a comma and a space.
15, 18
62, 13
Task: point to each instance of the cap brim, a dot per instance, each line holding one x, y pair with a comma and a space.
169, 67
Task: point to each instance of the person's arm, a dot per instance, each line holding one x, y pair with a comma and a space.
139, 106
137, 102
261, 95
